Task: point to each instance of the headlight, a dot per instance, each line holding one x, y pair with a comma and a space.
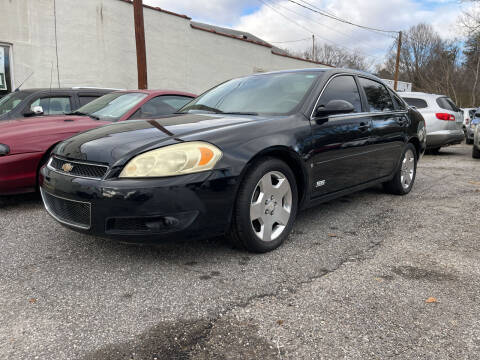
178, 159
4, 150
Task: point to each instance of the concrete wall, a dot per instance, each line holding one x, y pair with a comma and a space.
96, 47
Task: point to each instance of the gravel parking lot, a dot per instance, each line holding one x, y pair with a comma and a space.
366, 276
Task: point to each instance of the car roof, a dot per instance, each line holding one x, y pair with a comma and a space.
55, 90
419, 94
159, 92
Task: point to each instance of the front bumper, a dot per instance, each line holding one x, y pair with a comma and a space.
142, 210
444, 138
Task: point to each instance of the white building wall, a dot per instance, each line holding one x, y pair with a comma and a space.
96, 47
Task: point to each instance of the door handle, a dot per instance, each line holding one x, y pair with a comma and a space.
364, 126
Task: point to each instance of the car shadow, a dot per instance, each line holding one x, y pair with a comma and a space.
11, 201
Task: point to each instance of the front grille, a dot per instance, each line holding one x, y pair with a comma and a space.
70, 212
76, 168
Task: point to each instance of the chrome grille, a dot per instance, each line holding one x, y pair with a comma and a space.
70, 212
77, 168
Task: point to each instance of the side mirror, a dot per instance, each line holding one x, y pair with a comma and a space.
333, 107
34, 111
37, 110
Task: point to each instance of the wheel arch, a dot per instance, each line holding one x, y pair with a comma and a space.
292, 159
43, 160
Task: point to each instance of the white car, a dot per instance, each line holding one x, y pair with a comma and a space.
468, 116
443, 118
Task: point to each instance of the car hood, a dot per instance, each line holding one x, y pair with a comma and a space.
121, 141
19, 134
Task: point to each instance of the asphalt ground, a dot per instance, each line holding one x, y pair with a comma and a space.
368, 276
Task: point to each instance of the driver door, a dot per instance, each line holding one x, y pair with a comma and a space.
341, 143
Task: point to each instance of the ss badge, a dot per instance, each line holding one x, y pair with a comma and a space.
320, 183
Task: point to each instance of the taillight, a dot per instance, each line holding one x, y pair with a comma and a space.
445, 116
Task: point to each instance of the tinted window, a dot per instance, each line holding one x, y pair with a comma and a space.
86, 99
275, 93
53, 105
447, 104
11, 101
378, 96
418, 103
397, 102
160, 105
342, 88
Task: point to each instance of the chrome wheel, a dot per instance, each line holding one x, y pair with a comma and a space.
408, 169
271, 206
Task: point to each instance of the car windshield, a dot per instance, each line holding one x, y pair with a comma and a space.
112, 106
11, 101
276, 94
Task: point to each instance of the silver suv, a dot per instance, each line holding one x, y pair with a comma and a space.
443, 118
476, 142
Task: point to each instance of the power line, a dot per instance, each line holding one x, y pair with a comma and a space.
323, 13
310, 31
321, 24
289, 41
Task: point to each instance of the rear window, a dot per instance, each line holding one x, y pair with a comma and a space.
418, 103
447, 104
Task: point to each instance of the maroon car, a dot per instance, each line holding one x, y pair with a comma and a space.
25, 144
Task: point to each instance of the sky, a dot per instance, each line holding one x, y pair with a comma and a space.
288, 25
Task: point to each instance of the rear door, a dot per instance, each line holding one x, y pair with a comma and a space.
340, 142
389, 123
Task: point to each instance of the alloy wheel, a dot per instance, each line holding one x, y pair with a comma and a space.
408, 169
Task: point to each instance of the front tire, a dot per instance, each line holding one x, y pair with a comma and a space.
403, 180
475, 152
266, 206
468, 141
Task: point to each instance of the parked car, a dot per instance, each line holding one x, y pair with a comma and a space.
471, 126
476, 142
241, 159
468, 115
443, 118
36, 102
26, 144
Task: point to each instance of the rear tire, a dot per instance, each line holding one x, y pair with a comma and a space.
475, 152
434, 151
265, 208
468, 141
403, 180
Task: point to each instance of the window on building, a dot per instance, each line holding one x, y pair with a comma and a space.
5, 70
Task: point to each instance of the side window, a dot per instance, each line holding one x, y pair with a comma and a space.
418, 103
397, 102
53, 105
378, 97
160, 106
342, 88
86, 99
447, 104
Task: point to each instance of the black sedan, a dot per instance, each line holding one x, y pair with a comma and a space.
240, 160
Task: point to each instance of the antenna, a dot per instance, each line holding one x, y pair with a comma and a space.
28, 77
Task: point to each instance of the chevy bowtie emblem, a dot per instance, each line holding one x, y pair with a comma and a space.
67, 167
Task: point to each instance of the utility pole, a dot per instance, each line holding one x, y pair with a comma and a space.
397, 62
140, 44
313, 47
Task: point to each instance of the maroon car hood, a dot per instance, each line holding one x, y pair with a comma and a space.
40, 133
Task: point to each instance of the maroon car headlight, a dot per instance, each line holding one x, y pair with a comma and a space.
4, 150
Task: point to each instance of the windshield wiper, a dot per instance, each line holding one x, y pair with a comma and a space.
206, 108
83, 114
240, 113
